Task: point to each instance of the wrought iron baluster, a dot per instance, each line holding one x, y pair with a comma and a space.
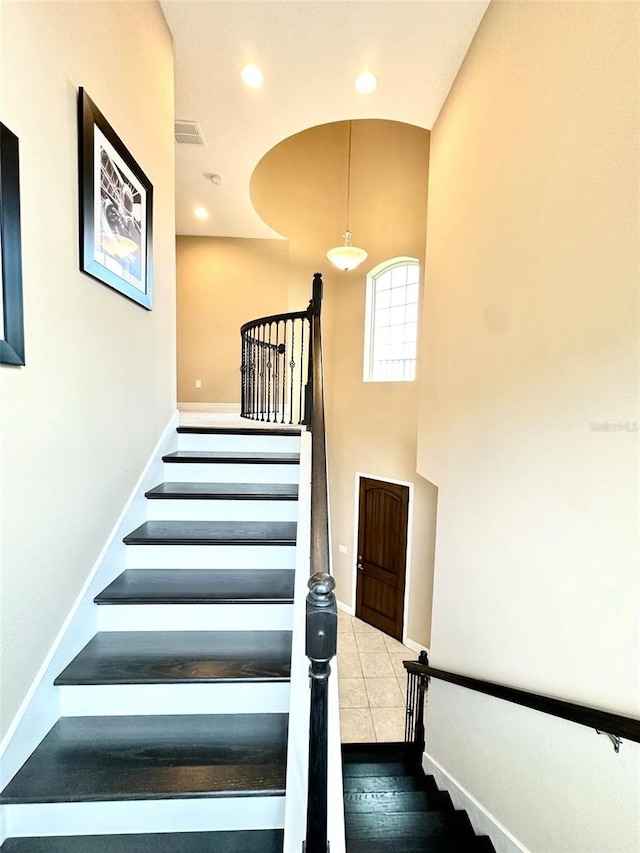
268, 388
292, 366
414, 735
262, 371
256, 374
300, 409
276, 374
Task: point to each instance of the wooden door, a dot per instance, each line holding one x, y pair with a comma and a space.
382, 553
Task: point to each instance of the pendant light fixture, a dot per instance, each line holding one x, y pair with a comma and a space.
347, 257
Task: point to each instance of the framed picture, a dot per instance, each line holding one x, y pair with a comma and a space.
11, 316
116, 207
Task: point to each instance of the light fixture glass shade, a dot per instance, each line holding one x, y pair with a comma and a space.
347, 257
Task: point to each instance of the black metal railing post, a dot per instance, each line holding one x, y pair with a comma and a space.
321, 639
414, 733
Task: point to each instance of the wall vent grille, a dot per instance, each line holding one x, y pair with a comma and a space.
188, 133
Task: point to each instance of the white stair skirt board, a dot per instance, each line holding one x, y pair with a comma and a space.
211, 556
237, 442
144, 699
213, 510
40, 708
195, 617
137, 816
205, 472
482, 821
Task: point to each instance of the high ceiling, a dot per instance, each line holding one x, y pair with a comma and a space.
310, 52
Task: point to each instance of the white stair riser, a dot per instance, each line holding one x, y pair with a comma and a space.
206, 472
195, 617
145, 699
223, 510
133, 816
211, 556
251, 443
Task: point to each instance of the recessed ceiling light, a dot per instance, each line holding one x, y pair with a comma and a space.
366, 82
252, 76
201, 213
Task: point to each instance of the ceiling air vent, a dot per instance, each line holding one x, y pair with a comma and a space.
188, 133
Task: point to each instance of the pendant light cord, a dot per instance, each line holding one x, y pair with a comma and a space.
349, 175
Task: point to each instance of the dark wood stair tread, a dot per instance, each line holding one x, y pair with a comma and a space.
387, 802
391, 804
200, 586
195, 430
225, 491
381, 768
150, 757
156, 657
213, 533
372, 784
368, 753
410, 844
246, 841
232, 457
422, 825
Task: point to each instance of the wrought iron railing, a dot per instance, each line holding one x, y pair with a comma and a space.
417, 684
274, 367
616, 726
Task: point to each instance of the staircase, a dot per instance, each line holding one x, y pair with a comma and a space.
391, 807
175, 715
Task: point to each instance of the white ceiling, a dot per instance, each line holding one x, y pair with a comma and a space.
310, 52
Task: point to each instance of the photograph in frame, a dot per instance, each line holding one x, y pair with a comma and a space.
116, 203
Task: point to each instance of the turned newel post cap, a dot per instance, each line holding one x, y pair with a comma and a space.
321, 586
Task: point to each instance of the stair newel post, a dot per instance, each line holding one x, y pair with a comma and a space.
419, 730
321, 640
313, 314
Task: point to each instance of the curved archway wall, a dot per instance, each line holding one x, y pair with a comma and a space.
299, 189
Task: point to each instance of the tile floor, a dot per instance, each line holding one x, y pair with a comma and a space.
372, 682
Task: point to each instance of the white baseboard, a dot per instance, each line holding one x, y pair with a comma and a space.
40, 708
482, 821
229, 408
347, 608
415, 647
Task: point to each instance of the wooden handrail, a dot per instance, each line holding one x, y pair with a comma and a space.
273, 318
617, 725
319, 490
322, 614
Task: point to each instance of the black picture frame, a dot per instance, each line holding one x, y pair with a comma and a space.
12, 317
116, 208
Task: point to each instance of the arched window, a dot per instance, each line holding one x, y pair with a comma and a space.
391, 321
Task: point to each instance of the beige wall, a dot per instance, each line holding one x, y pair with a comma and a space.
79, 421
372, 425
222, 283
299, 188
531, 313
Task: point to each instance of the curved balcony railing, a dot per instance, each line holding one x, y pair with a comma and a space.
274, 368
